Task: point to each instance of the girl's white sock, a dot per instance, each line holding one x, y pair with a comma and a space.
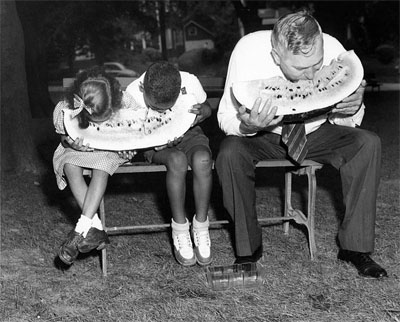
83, 225
96, 222
200, 225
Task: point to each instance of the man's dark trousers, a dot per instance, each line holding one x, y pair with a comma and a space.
355, 152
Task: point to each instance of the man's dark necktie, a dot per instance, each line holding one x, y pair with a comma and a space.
294, 136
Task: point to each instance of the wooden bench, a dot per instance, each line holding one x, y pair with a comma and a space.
372, 82
214, 88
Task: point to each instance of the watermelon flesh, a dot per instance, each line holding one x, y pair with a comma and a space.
135, 128
330, 85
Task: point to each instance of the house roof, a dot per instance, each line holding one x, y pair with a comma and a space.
200, 21
192, 22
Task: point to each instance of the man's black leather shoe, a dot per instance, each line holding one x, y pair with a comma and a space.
68, 251
250, 259
95, 238
365, 265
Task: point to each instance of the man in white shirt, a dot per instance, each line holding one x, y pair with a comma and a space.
295, 50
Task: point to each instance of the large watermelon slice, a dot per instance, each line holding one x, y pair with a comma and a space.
305, 98
131, 129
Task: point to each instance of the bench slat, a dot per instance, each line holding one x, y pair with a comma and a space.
136, 167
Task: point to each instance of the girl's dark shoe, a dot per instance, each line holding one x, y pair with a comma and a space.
95, 239
68, 251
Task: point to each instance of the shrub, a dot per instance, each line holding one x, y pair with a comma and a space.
152, 54
210, 56
385, 53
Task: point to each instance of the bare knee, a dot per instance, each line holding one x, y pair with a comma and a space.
100, 174
71, 169
177, 162
202, 162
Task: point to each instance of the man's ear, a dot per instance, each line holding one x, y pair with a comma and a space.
275, 56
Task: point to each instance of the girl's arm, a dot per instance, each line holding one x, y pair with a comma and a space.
76, 144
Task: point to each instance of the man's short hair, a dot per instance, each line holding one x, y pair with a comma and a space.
162, 82
296, 32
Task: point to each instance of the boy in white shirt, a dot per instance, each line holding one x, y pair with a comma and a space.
159, 89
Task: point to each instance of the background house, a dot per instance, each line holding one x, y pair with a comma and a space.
197, 36
194, 33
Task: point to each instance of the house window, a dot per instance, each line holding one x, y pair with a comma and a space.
192, 31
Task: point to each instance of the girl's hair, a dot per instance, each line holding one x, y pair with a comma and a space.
162, 82
296, 32
100, 93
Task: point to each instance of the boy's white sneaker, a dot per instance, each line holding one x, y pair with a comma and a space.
202, 242
183, 247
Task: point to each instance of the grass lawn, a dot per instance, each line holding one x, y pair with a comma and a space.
145, 283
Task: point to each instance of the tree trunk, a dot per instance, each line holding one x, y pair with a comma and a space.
248, 15
164, 51
18, 153
32, 17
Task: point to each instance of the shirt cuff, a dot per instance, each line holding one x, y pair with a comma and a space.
351, 121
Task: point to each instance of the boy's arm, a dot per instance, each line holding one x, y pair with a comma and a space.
202, 111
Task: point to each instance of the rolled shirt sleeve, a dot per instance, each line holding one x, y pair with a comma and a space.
351, 121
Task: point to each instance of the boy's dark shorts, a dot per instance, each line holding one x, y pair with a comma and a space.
192, 138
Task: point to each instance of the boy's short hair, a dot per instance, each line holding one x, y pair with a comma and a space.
296, 32
162, 82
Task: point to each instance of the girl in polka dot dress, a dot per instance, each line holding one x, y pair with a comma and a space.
95, 98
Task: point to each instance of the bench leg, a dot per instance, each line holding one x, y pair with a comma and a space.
288, 201
312, 191
297, 215
104, 250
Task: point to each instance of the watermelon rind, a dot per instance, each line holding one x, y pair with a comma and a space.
246, 92
124, 138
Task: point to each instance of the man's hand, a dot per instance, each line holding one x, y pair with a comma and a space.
76, 144
258, 120
202, 112
351, 104
170, 144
